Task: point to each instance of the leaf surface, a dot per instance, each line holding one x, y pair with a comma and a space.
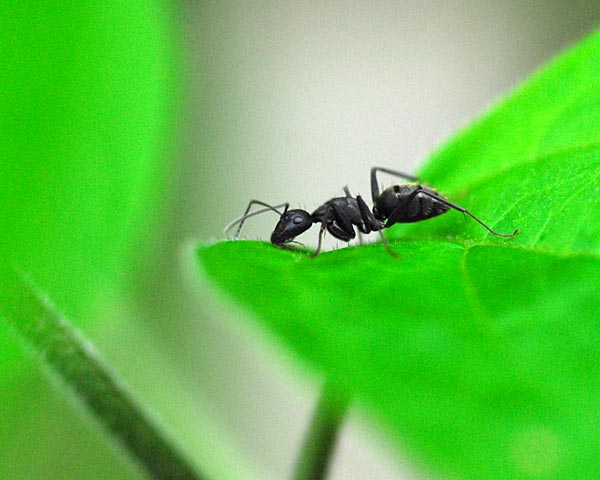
478, 354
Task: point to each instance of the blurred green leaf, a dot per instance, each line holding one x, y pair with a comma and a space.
87, 92
478, 354
86, 102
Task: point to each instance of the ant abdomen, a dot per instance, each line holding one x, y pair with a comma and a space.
412, 203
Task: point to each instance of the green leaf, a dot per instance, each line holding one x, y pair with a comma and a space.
85, 100
478, 354
86, 96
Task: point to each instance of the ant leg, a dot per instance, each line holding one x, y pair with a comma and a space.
374, 225
375, 184
387, 246
349, 195
396, 214
441, 199
342, 227
321, 232
344, 230
246, 215
370, 222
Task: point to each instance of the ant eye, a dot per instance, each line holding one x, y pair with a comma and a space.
396, 188
297, 220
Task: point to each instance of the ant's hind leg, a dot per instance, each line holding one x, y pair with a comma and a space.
441, 199
395, 173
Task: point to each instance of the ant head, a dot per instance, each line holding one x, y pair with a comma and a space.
387, 201
291, 224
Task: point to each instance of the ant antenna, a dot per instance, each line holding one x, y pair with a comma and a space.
246, 215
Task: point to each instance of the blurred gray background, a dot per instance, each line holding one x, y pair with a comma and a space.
290, 101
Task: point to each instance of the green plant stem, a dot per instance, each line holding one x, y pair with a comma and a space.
319, 442
65, 353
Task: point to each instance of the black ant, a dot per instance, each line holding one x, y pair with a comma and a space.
405, 203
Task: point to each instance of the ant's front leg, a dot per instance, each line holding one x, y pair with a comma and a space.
337, 222
349, 195
341, 227
319, 242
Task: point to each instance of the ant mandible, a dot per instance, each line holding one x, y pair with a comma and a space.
407, 203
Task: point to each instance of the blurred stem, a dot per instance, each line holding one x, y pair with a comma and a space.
68, 355
320, 440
